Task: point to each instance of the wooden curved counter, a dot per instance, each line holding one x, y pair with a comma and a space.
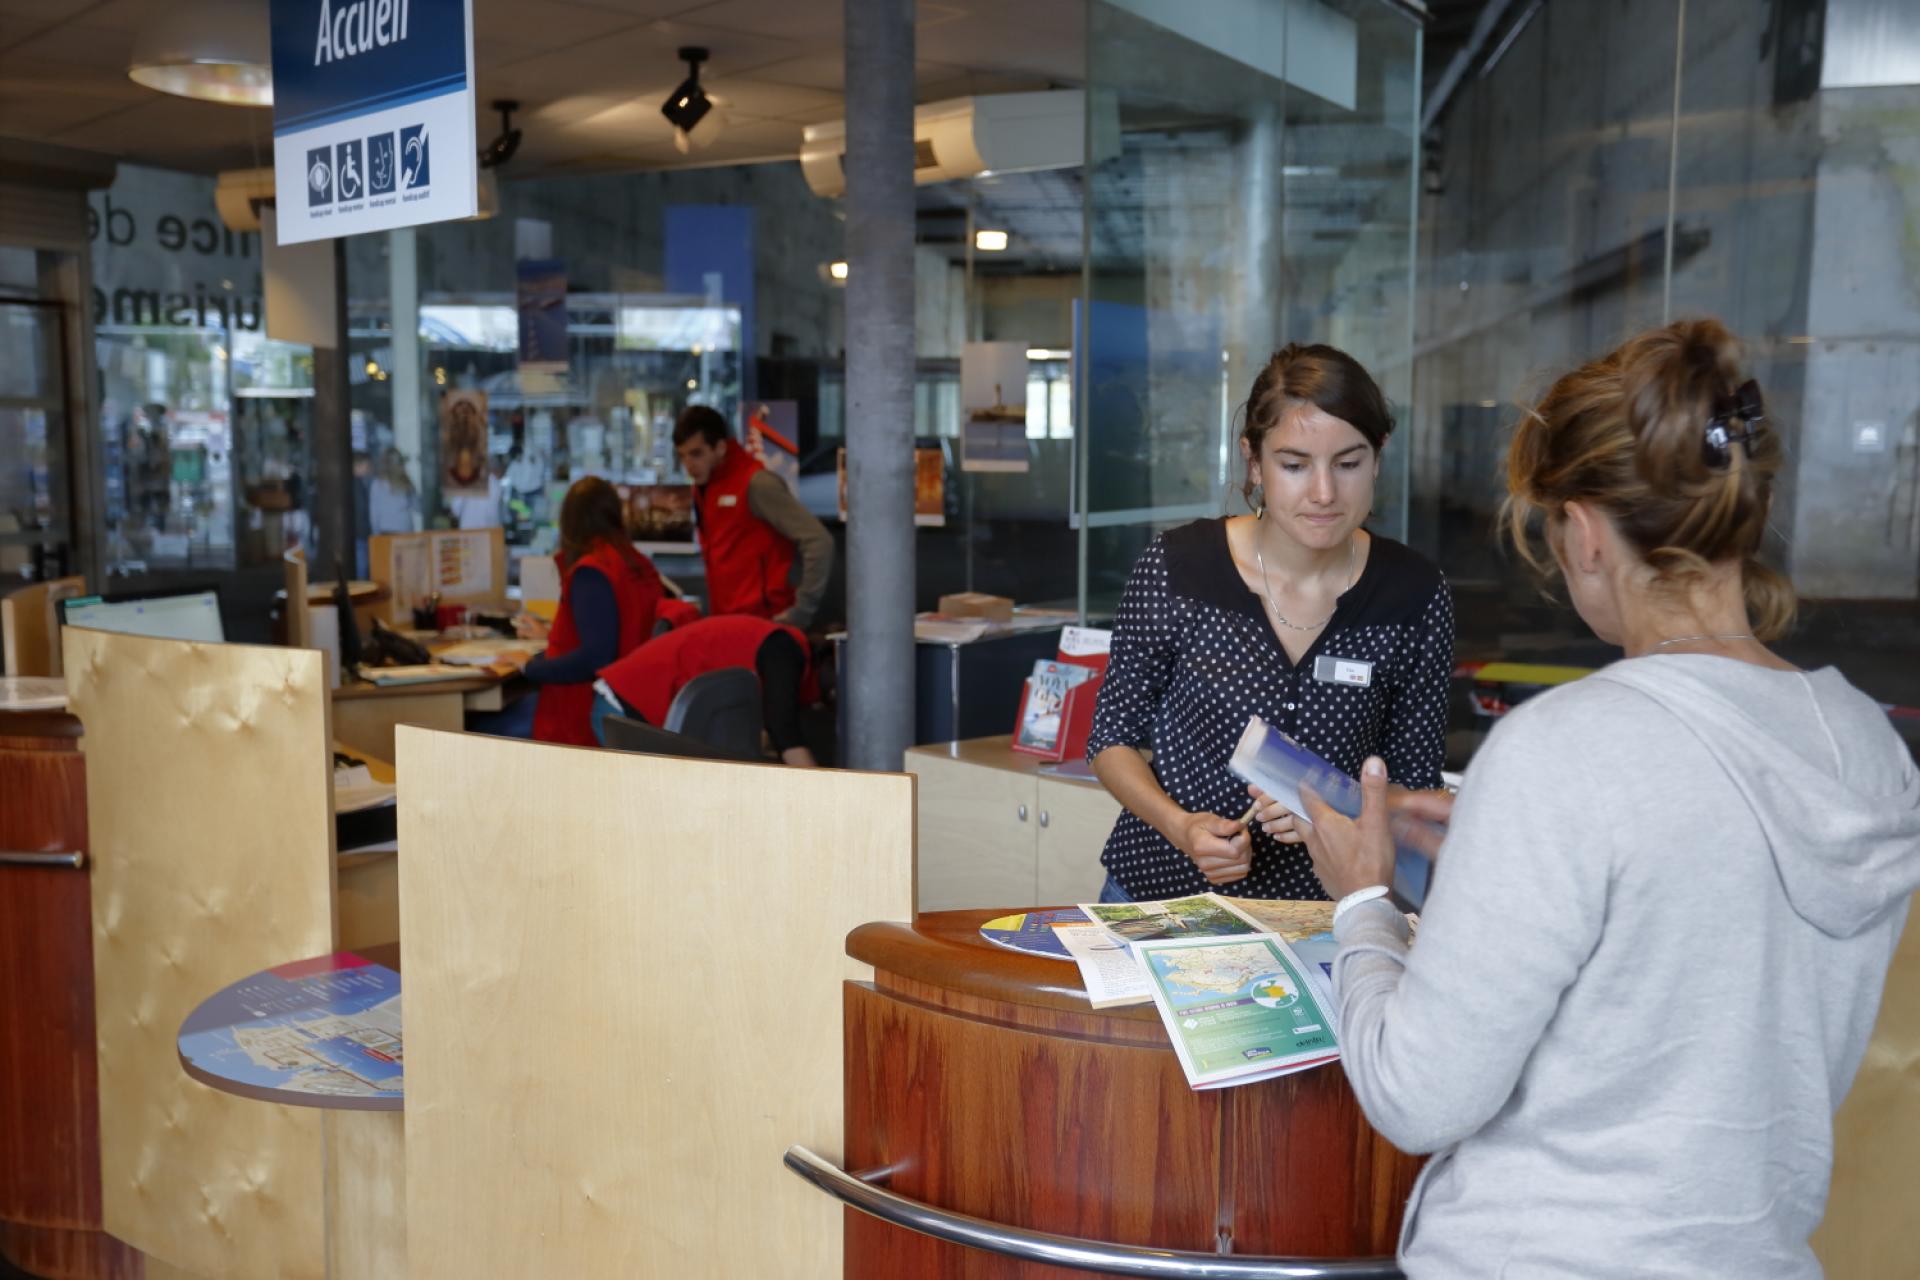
49, 1102
981, 1078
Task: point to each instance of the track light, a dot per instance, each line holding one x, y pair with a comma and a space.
688, 105
501, 149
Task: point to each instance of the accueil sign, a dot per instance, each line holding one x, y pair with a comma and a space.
372, 115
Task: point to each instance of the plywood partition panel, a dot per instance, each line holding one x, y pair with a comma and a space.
210, 817
623, 1004
30, 626
293, 570
1868, 1233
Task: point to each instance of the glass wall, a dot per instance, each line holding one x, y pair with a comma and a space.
1585, 183
34, 517
1251, 183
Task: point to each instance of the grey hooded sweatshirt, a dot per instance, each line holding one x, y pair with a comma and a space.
1647, 972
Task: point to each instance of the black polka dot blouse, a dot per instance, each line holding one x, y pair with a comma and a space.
1194, 656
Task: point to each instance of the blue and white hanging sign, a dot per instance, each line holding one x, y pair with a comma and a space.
372, 115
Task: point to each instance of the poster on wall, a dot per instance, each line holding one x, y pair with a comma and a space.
373, 115
993, 394
773, 437
929, 487
463, 444
542, 299
660, 516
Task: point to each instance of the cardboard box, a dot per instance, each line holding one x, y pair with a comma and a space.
977, 604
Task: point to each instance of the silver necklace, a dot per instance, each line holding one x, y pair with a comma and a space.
1267, 583
1739, 635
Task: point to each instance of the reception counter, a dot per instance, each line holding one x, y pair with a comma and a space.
983, 1083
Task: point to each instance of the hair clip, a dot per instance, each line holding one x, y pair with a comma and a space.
1743, 404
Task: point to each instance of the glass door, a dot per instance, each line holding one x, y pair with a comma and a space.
35, 539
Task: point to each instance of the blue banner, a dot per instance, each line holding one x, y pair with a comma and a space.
333, 59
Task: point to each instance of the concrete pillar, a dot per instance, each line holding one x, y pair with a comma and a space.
403, 290
332, 501
878, 683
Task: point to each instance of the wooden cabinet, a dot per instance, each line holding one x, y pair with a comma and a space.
997, 832
50, 1214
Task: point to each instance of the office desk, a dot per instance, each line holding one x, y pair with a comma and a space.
984, 1082
210, 1052
364, 714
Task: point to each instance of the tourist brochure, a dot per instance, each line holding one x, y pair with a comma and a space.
1281, 767
1202, 915
1046, 699
1237, 1009
1108, 969
1104, 952
1034, 932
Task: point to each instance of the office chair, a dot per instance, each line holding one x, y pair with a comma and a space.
626, 734
721, 709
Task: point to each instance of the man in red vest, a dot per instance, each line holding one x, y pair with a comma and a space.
750, 527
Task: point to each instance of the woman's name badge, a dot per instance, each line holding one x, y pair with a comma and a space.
1343, 671
729, 500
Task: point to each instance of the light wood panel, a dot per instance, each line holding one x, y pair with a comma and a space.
368, 899
210, 813
1079, 816
30, 626
365, 718
623, 1004
293, 569
976, 834
366, 1193
1868, 1233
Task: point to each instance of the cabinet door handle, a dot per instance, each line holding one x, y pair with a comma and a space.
1043, 817
22, 858
1023, 813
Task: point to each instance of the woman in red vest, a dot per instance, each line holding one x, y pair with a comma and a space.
643, 683
609, 594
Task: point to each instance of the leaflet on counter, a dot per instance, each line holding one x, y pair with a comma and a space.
1237, 1008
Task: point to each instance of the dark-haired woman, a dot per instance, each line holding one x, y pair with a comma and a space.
609, 594
1338, 637
1651, 967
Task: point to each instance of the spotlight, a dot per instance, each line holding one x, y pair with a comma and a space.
501, 149
990, 241
688, 105
838, 270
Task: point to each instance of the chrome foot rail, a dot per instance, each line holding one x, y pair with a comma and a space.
1067, 1251
77, 860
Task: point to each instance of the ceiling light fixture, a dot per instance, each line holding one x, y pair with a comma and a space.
838, 270
990, 241
215, 52
501, 149
688, 105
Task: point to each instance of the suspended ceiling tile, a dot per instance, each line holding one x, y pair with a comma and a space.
506, 30
827, 70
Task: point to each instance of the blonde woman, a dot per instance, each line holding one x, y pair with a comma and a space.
1661, 921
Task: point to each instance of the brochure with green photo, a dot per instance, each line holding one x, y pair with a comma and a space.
1201, 916
1238, 1009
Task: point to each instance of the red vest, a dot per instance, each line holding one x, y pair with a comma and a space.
649, 676
565, 711
747, 560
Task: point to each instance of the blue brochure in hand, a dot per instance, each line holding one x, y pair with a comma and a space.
1279, 766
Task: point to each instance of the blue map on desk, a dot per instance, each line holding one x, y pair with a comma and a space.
1032, 931
327, 1027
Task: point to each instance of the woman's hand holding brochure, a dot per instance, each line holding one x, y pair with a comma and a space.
1350, 854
